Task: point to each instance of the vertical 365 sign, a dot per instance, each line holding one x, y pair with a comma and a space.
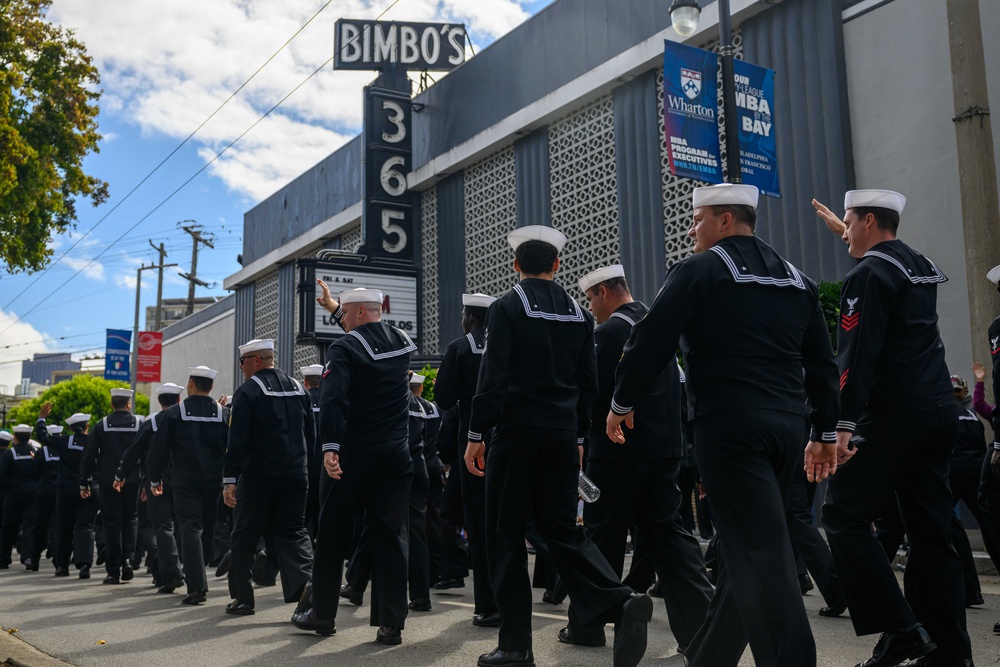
388, 151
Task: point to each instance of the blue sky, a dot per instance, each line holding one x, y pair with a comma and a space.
165, 67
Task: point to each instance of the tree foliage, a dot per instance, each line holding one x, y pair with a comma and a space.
430, 375
48, 124
84, 393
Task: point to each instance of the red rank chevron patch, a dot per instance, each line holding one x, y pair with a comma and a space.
849, 322
843, 378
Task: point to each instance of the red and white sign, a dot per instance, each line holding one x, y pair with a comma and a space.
150, 353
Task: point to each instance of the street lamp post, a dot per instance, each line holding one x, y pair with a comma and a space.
684, 16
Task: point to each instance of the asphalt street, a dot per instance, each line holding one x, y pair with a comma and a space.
87, 623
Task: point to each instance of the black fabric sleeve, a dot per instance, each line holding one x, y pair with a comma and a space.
494, 373
586, 380
820, 376
864, 317
37, 466
88, 462
334, 400
310, 424
238, 442
449, 379
136, 452
159, 445
653, 341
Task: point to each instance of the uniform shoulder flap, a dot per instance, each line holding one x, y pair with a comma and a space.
547, 300
750, 261
276, 384
382, 341
915, 267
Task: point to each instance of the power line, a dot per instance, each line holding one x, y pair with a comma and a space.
70, 349
174, 151
51, 340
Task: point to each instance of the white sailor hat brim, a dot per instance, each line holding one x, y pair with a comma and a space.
202, 372
169, 388
21, 428
600, 275
726, 194
361, 295
257, 345
994, 275
121, 393
54, 429
477, 300
6, 436
874, 199
77, 418
312, 370
417, 379
549, 235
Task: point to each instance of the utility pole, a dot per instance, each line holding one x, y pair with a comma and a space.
977, 175
134, 360
159, 287
195, 231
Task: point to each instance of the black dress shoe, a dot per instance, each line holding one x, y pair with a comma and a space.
305, 599
420, 604
996, 628
498, 658
654, 590
127, 572
239, 609
487, 620
552, 597
198, 597
223, 568
102, 555
307, 621
895, 647
389, 634
805, 584
976, 601
348, 594
630, 630
446, 584
110, 579
170, 586
833, 610
566, 637
62, 571
85, 572
33, 567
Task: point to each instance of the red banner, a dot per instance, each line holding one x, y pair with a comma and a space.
150, 352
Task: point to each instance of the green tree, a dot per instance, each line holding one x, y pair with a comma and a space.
430, 374
829, 301
48, 124
84, 393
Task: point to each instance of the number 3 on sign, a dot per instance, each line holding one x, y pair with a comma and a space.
390, 228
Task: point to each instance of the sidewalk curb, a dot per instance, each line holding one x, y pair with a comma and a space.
20, 653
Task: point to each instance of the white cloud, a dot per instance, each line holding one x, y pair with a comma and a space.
166, 66
26, 340
93, 270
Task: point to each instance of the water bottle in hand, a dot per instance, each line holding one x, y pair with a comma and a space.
587, 489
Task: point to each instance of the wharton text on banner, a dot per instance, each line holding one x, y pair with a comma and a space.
691, 110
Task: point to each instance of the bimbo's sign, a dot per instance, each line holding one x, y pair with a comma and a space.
413, 46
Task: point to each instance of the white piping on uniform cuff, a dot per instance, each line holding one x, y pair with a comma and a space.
579, 441
155, 485
618, 409
475, 437
846, 426
828, 436
996, 446
228, 480
331, 447
118, 479
339, 313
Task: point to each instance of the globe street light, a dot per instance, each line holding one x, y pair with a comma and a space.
684, 15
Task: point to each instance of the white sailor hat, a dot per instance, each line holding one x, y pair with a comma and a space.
312, 370
21, 428
994, 275
478, 300
600, 275
726, 194
257, 345
6, 436
874, 199
77, 418
121, 393
169, 388
361, 295
548, 235
202, 372
417, 378
54, 429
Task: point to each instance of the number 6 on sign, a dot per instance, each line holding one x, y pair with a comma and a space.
391, 228
393, 180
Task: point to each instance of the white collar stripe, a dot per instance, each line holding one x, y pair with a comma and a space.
121, 429
577, 316
192, 418
410, 347
938, 277
795, 280
623, 316
472, 343
299, 391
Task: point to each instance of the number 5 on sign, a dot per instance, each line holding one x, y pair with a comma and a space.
392, 229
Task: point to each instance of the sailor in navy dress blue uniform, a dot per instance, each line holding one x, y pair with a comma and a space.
19, 496
456, 386
364, 411
537, 385
265, 476
105, 447
896, 398
166, 564
45, 472
638, 479
191, 441
75, 515
755, 342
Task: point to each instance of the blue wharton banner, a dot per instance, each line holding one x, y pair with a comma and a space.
691, 110
116, 356
755, 114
